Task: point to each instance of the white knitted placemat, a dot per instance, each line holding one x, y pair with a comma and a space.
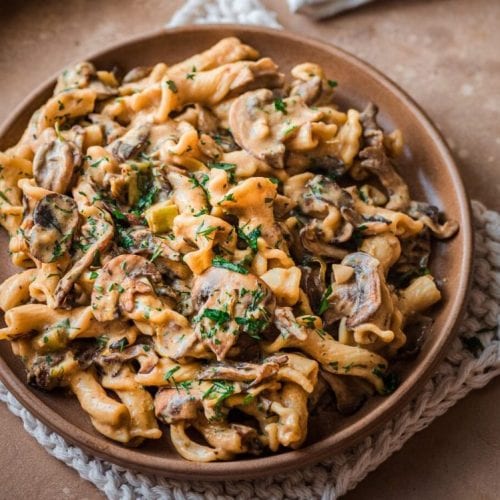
469, 364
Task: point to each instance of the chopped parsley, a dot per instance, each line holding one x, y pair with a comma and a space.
252, 326
221, 390
250, 238
217, 315
169, 373
102, 341
324, 304
156, 253
218, 261
205, 231
192, 74
171, 85
228, 167
120, 344
280, 105
332, 83
145, 201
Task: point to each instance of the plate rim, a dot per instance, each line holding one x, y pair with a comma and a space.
101, 447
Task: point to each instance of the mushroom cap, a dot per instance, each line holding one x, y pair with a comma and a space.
54, 163
177, 404
55, 220
248, 123
120, 279
360, 298
131, 143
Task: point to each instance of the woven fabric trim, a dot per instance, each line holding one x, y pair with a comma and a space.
224, 11
456, 376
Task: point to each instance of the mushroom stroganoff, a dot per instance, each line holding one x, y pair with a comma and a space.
209, 247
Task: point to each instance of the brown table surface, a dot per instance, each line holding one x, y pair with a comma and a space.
445, 54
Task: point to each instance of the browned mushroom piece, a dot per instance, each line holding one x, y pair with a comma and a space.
350, 392
376, 161
137, 74
75, 77
178, 404
313, 244
84, 75
131, 143
309, 90
243, 372
207, 121
55, 220
143, 353
119, 281
55, 161
229, 303
248, 123
317, 200
225, 140
41, 372
112, 130
102, 231
143, 242
313, 281
257, 75
359, 298
430, 216
259, 121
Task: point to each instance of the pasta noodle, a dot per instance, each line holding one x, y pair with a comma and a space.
207, 249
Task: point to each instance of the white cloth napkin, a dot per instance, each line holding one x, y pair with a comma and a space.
319, 9
253, 12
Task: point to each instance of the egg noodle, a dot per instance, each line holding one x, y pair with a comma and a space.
209, 247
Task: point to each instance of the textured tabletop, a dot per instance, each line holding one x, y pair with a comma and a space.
442, 52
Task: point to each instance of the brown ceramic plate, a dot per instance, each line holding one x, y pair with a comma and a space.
427, 166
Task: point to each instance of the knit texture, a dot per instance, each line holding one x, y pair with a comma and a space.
460, 372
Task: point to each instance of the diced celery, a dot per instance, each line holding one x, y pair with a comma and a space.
160, 217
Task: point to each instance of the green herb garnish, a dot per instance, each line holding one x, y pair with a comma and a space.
226, 264
324, 304
280, 105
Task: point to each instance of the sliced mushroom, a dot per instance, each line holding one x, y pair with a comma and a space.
350, 392
84, 75
311, 242
104, 231
311, 84
144, 242
332, 210
75, 77
429, 215
258, 122
112, 130
376, 161
257, 75
55, 161
40, 372
313, 280
177, 405
360, 298
229, 303
309, 90
131, 143
141, 352
55, 220
243, 372
137, 74
118, 282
